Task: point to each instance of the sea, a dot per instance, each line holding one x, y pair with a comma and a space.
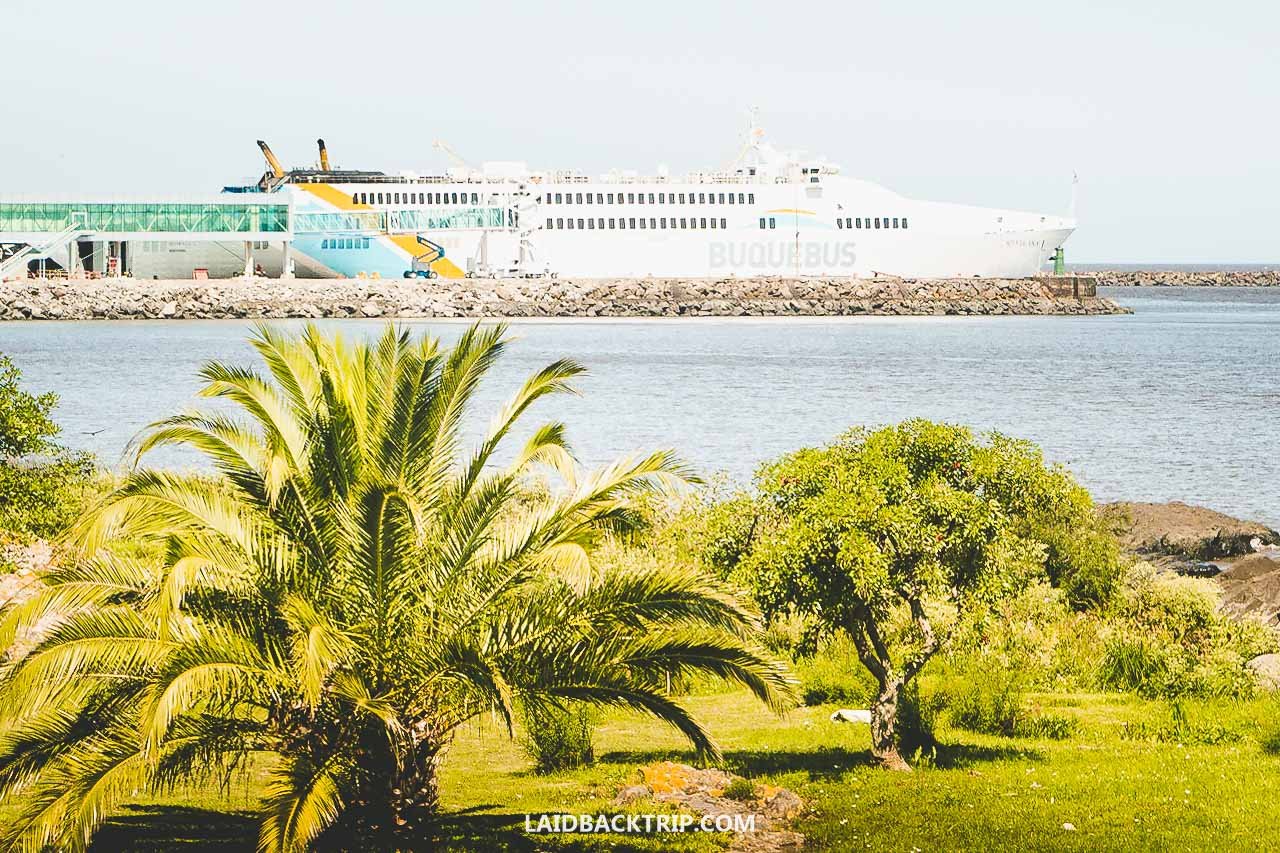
1178, 401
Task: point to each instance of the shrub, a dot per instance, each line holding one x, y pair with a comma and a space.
558, 738
1180, 728
743, 790
989, 703
917, 720
1046, 726
1135, 664
43, 487
832, 675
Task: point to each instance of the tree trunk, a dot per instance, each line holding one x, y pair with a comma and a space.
884, 722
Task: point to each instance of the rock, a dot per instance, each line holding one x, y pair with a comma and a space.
848, 715
1183, 530
632, 794
783, 805
169, 310
1266, 668
1250, 588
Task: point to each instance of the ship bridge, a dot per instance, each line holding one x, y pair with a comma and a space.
94, 234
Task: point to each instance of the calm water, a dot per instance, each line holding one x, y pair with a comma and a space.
1179, 401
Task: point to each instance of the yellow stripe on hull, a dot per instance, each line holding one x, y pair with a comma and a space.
337, 198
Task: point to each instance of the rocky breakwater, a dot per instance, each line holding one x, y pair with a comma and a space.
1186, 278
118, 299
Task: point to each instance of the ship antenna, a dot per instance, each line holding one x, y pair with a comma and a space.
754, 132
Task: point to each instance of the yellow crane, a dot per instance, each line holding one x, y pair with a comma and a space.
276, 168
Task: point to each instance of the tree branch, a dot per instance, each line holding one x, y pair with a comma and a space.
931, 640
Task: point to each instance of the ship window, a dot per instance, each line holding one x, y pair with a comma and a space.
558, 199
904, 222
839, 222
684, 223
704, 222
591, 223
588, 198
550, 224
711, 198
722, 198
730, 198
761, 223
559, 222
877, 221
773, 223
631, 198
895, 222
682, 198
570, 223
610, 198
653, 223
580, 225
611, 224
740, 199
364, 243
650, 198
579, 198
724, 223
751, 198
713, 222
324, 244
622, 223
600, 222
379, 198
633, 221
702, 198
642, 222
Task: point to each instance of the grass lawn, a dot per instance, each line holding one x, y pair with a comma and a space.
979, 793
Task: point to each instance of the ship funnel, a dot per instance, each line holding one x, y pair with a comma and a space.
324, 156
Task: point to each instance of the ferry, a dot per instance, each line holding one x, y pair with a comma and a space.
767, 213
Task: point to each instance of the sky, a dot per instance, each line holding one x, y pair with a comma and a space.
1165, 110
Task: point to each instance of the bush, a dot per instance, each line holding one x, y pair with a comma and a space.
743, 790
1135, 664
42, 486
1180, 728
1046, 726
917, 720
990, 703
834, 675
558, 738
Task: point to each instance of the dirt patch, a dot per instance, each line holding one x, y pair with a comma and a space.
1183, 530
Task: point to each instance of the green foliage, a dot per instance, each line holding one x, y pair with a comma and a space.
26, 423
1046, 726
989, 702
743, 790
1180, 728
348, 587
42, 486
918, 716
1169, 638
832, 675
557, 737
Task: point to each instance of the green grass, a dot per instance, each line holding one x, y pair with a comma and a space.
979, 792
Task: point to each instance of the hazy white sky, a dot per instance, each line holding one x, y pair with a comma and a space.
1166, 109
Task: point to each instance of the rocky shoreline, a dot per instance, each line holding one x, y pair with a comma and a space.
117, 299
1184, 278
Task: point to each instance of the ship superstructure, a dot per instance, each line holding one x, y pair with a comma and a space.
769, 212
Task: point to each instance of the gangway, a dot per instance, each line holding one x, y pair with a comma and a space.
42, 250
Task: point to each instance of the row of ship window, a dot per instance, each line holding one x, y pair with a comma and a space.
345, 243
866, 222
622, 224
651, 198
416, 198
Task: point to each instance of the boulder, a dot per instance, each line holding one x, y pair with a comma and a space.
1184, 530
1266, 668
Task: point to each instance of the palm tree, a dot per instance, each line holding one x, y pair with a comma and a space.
343, 591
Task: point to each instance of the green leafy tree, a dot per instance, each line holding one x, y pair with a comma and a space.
348, 588
885, 534
41, 483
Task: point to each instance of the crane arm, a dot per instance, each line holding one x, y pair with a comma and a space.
276, 168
